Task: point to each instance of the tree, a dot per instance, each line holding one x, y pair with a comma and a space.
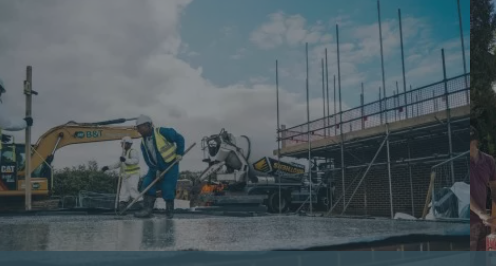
483, 71
69, 181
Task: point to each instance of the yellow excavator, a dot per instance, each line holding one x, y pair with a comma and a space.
13, 154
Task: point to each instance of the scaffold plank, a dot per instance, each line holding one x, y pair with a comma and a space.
457, 112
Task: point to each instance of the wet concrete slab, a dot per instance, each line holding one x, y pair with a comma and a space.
200, 232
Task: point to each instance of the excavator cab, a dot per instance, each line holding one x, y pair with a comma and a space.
13, 161
8, 171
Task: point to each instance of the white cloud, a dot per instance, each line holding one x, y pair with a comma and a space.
192, 54
342, 20
240, 53
258, 80
286, 29
326, 38
86, 72
367, 48
227, 31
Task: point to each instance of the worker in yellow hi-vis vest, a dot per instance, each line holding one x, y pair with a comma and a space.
161, 147
129, 173
9, 124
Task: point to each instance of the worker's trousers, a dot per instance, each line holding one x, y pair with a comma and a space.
167, 185
129, 187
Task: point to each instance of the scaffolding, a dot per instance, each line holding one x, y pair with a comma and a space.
383, 151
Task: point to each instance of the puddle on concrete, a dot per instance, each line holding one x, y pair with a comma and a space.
109, 233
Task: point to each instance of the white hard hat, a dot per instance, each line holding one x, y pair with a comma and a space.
127, 139
142, 119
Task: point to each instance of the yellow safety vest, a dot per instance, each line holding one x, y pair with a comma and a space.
131, 169
167, 150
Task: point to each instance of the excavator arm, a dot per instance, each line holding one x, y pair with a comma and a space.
76, 133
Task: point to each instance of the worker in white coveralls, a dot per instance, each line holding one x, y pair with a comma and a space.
129, 173
8, 123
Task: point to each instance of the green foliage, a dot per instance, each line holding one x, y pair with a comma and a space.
89, 177
483, 71
490, 144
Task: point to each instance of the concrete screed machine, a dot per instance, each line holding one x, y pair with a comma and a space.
264, 182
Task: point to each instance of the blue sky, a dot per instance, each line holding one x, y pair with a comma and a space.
218, 30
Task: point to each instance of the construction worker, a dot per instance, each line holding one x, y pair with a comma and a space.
129, 172
9, 124
160, 147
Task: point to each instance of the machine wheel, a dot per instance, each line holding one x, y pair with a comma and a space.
323, 201
273, 202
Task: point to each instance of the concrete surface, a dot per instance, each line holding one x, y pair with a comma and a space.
178, 204
187, 231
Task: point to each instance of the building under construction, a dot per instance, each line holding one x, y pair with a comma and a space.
383, 153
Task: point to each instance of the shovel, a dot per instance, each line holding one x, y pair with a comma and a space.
155, 181
119, 183
117, 193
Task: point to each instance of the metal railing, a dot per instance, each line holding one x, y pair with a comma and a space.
413, 103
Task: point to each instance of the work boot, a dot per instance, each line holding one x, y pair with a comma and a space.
122, 205
169, 209
140, 205
146, 211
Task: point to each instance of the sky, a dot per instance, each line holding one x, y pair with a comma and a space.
200, 66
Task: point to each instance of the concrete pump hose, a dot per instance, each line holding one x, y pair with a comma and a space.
249, 147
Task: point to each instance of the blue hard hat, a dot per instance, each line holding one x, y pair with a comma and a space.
2, 87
